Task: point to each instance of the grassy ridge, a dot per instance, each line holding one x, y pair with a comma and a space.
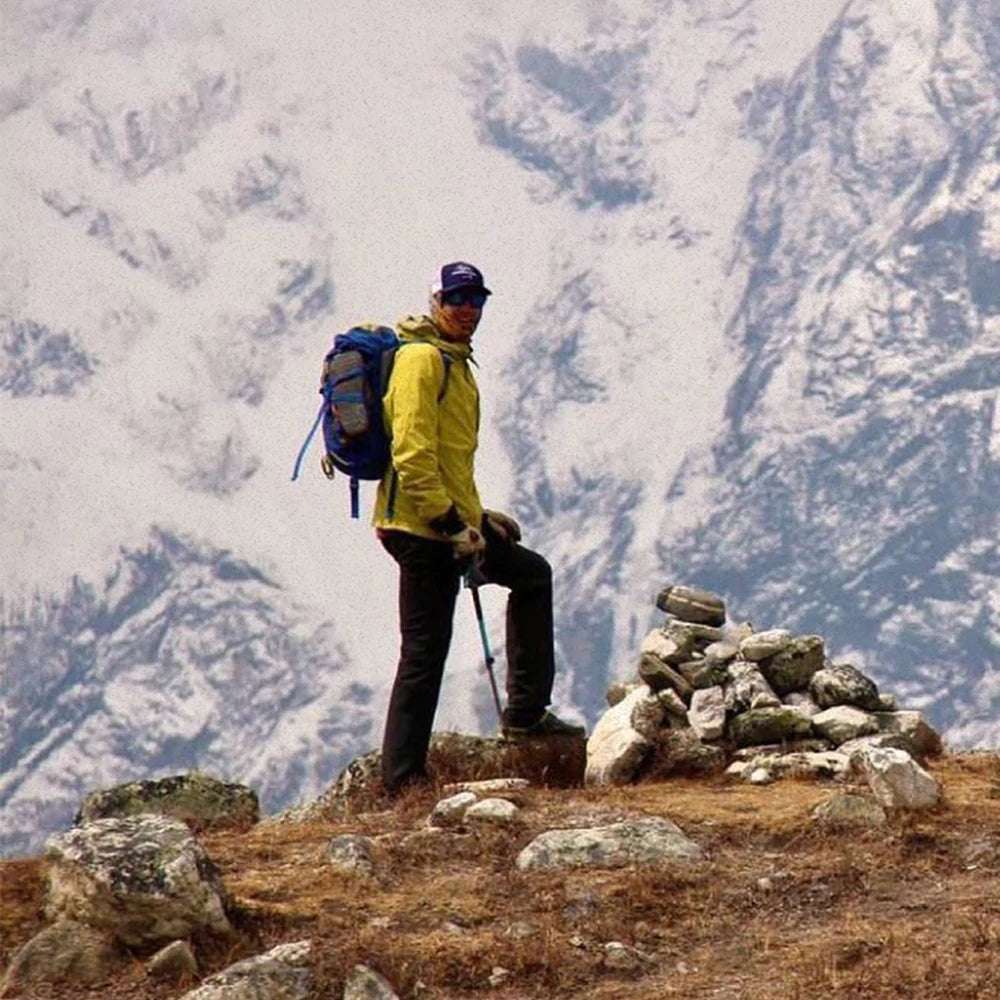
781, 907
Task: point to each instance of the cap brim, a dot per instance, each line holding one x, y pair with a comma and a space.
437, 289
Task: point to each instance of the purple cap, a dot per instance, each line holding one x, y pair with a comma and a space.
460, 275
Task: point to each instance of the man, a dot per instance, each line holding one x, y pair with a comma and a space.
429, 517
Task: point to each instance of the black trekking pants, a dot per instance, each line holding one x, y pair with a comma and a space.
429, 580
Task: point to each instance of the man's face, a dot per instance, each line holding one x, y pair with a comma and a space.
457, 312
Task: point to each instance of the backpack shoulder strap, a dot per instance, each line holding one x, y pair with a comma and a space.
389, 361
447, 359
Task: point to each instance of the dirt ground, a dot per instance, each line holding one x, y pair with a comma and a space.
780, 906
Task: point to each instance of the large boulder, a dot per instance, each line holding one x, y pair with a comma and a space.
640, 841
201, 801
143, 879
623, 738
845, 810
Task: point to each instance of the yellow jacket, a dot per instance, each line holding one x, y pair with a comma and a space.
433, 442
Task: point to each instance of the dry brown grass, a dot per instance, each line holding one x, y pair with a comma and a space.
779, 908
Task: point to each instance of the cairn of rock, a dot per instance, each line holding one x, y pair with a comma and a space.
712, 696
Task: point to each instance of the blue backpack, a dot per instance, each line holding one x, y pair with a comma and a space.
354, 379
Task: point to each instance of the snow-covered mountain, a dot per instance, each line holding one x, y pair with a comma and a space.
746, 334
217, 656
851, 487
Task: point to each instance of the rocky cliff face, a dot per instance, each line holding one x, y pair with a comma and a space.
851, 488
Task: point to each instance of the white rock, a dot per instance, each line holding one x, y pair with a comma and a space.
804, 764
451, 811
498, 976
803, 702
657, 643
631, 842
854, 748
707, 713
843, 723
897, 780
284, 971
761, 645
721, 651
616, 750
495, 810
761, 776
620, 956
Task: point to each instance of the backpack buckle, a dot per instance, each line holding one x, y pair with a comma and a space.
326, 464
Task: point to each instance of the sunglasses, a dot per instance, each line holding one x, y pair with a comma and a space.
464, 297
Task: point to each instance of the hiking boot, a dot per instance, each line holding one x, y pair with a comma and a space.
548, 725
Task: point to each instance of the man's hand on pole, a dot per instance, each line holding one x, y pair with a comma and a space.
468, 544
506, 528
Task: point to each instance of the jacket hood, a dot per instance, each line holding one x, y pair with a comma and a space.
422, 328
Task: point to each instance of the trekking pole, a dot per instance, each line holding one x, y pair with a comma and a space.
472, 580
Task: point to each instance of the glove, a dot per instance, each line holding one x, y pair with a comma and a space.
506, 528
468, 544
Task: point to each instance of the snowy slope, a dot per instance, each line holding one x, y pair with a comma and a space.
744, 334
850, 487
859, 458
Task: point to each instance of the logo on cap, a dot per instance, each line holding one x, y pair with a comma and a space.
461, 274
